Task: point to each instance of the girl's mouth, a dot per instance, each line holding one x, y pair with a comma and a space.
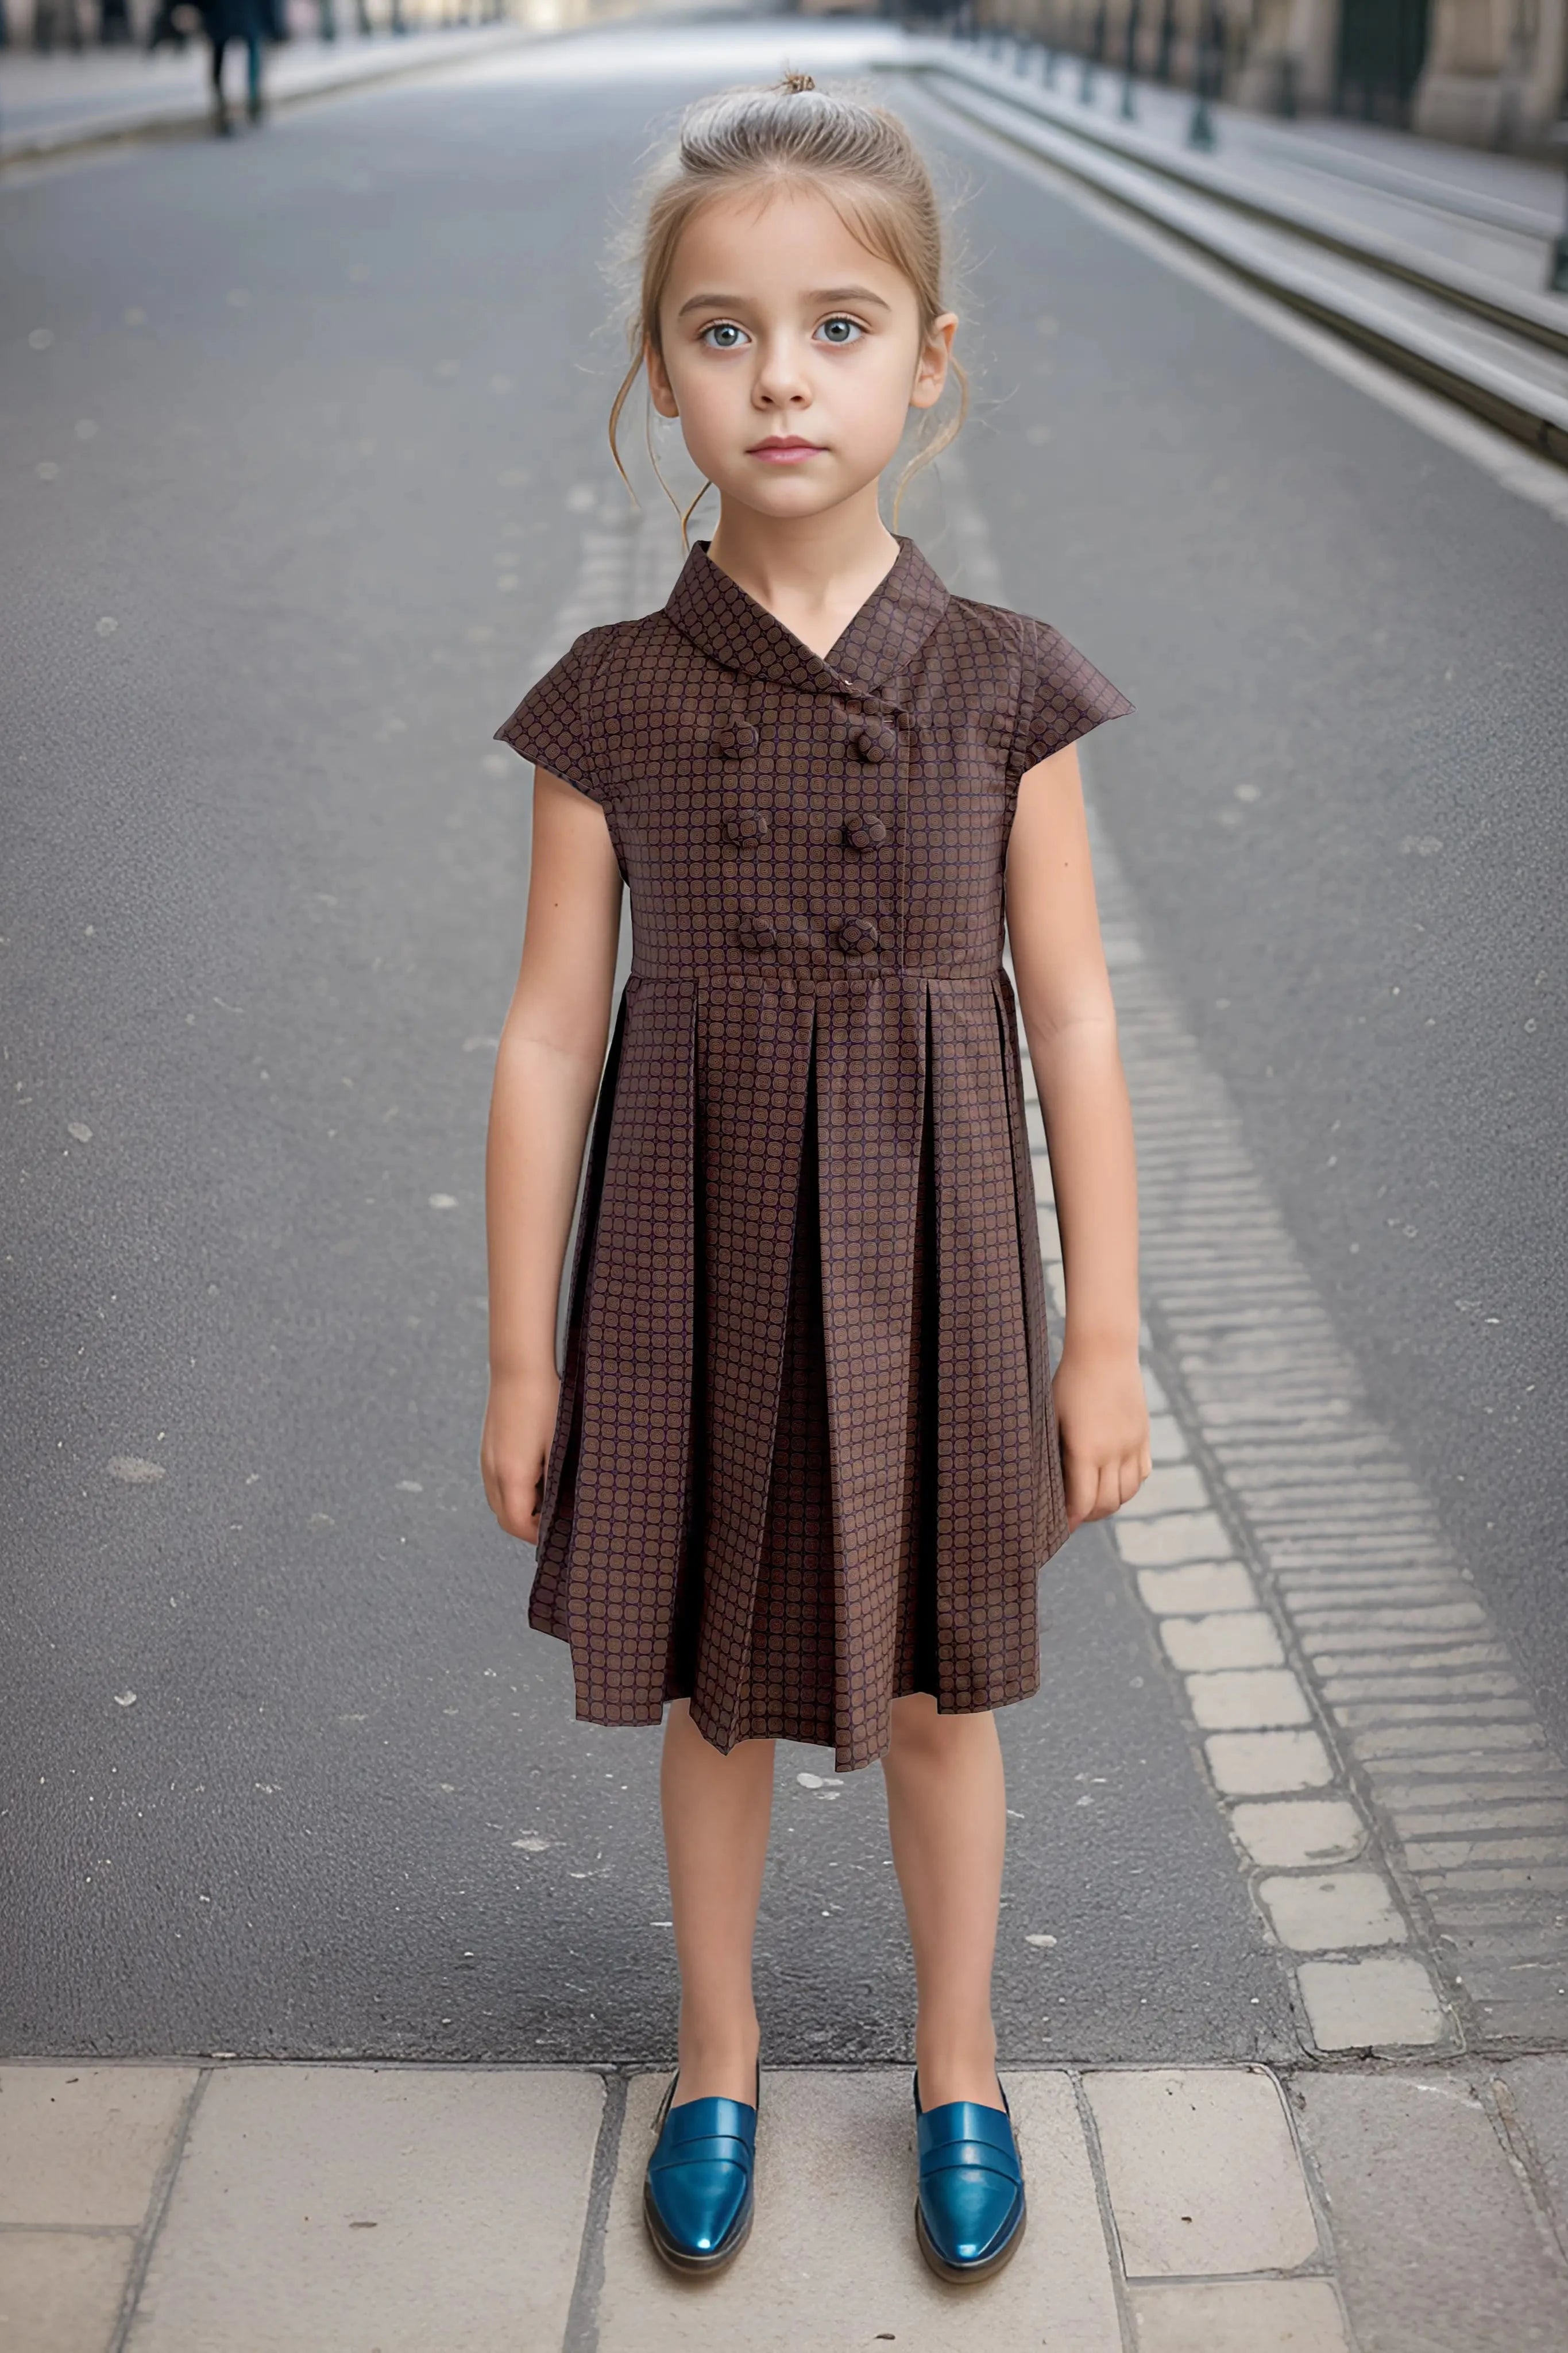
784, 452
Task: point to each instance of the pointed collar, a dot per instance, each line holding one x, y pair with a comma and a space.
728, 623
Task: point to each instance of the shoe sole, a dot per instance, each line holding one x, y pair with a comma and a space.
682, 2259
961, 2274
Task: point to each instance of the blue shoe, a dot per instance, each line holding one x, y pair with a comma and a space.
697, 2194
969, 2212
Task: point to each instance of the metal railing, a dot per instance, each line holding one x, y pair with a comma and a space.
1040, 36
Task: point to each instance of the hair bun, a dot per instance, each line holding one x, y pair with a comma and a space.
794, 82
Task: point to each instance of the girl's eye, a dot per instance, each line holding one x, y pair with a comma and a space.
841, 329
726, 329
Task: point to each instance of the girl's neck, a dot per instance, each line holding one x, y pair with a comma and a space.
813, 573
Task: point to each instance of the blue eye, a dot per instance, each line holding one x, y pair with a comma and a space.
723, 327
853, 326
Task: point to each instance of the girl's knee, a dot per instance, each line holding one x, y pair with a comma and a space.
921, 1730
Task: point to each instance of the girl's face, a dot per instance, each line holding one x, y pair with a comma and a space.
792, 354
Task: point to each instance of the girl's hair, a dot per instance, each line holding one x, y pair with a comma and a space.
860, 155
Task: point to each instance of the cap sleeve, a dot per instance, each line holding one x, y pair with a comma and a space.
1062, 696
551, 725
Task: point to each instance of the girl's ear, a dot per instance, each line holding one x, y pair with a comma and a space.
931, 369
659, 386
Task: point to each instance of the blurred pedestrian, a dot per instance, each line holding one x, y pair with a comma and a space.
54, 22
168, 25
234, 20
806, 1458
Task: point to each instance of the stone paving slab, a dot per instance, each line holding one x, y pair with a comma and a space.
60, 2291
83, 2145
1534, 2094
364, 2208
1202, 2171
1384, 2003
1438, 2247
404, 2208
1239, 2316
833, 2260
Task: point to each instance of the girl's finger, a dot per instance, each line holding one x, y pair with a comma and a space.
523, 1494
1080, 1480
1095, 1482
1129, 1478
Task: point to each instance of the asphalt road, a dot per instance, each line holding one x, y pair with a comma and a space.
285, 1770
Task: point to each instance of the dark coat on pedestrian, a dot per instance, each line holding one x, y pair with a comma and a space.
806, 1457
233, 20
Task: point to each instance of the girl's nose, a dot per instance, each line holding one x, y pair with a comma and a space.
781, 376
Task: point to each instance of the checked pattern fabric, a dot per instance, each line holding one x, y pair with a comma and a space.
806, 1458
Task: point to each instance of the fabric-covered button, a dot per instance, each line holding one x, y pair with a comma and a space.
755, 932
876, 743
747, 825
865, 830
735, 736
857, 936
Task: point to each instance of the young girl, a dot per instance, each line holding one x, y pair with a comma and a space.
806, 1458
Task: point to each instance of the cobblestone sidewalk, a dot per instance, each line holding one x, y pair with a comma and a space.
230, 2207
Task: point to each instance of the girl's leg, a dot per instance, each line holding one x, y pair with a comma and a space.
947, 1812
716, 1815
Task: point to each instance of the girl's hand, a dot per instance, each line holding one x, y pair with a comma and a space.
520, 1421
1103, 1417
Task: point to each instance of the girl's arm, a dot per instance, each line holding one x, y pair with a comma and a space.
1069, 1021
548, 1066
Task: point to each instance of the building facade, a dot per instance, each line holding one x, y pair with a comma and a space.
1492, 73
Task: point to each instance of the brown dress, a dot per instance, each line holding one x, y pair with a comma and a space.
806, 1458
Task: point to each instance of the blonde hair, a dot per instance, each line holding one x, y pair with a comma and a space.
860, 155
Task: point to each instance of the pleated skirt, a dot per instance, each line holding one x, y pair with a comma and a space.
796, 1684
806, 1458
